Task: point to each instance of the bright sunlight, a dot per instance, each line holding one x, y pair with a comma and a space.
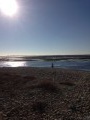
9, 7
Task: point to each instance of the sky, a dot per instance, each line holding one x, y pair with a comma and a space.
46, 27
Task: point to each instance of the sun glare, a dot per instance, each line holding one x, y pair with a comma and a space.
8, 7
15, 64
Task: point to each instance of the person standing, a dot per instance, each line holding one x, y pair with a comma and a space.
52, 65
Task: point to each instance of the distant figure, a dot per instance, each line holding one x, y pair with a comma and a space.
52, 65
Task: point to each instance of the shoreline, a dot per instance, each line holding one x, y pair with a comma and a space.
44, 94
58, 68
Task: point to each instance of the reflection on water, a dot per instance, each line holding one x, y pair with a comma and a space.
69, 64
15, 64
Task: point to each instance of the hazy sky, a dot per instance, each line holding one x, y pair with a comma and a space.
46, 27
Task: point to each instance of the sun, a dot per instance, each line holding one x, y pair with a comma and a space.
9, 7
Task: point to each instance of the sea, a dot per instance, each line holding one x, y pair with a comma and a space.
74, 62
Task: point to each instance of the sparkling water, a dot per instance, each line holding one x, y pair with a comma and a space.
76, 64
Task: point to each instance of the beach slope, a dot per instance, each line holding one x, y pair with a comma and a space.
44, 94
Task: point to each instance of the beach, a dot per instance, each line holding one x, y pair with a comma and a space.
44, 94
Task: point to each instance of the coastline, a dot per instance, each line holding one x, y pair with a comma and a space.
44, 94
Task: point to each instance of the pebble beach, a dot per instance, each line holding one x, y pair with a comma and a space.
44, 94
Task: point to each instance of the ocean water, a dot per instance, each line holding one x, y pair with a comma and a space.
76, 64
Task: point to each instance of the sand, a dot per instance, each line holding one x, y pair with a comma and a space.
44, 94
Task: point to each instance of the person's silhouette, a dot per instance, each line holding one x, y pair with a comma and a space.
52, 65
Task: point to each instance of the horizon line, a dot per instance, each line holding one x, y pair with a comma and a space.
47, 55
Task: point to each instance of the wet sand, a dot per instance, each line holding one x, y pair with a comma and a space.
44, 94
